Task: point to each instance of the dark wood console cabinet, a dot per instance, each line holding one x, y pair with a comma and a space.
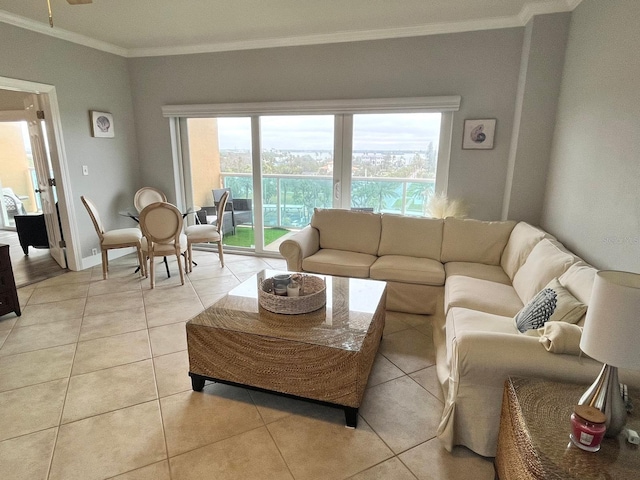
8, 293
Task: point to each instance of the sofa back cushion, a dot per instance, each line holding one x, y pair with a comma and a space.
547, 260
578, 279
411, 236
474, 240
521, 241
348, 230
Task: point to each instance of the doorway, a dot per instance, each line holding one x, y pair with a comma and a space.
27, 154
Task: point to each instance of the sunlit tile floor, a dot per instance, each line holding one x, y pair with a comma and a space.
94, 385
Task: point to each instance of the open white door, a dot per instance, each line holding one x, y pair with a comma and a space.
45, 177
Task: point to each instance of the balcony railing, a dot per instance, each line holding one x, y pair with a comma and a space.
289, 200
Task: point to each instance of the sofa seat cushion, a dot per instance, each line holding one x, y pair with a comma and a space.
481, 295
547, 260
339, 262
411, 236
398, 268
493, 273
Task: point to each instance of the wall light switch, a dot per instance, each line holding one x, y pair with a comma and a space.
85, 170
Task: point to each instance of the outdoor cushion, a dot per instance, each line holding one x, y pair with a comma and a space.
399, 268
339, 262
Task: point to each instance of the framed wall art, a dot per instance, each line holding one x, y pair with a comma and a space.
101, 124
478, 134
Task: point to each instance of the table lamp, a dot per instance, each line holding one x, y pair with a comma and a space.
610, 336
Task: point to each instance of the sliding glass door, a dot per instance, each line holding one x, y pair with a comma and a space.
280, 161
220, 157
297, 161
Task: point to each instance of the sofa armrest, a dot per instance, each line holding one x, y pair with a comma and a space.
488, 358
480, 362
304, 243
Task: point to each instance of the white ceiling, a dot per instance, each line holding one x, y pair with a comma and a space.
134, 28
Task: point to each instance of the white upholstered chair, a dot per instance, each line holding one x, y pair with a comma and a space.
118, 238
161, 225
207, 233
146, 196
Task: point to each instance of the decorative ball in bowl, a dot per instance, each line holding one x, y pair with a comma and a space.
292, 294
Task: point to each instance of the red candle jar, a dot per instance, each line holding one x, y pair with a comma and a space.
587, 427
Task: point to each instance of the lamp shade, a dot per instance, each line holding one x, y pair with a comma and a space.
612, 327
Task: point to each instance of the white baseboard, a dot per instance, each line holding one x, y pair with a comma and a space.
93, 260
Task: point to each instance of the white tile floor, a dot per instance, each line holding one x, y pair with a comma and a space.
94, 385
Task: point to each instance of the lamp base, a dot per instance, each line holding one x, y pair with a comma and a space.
604, 394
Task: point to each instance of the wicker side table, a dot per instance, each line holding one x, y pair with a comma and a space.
534, 443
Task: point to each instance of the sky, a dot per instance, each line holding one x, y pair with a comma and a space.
409, 131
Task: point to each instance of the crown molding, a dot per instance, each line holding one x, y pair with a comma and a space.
45, 29
530, 10
337, 37
519, 20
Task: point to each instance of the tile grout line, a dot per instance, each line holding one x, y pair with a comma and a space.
64, 402
155, 381
284, 460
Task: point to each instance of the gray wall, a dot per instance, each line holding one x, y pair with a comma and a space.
536, 102
85, 79
592, 199
482, 67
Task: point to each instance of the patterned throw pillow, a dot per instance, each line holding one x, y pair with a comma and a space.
535, 313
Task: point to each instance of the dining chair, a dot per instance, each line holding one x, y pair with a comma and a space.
109, 240
207, 233
161, 225
146, 196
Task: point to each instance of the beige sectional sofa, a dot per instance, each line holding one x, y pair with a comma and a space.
473, 277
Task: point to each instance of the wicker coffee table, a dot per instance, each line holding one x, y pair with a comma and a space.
324, 356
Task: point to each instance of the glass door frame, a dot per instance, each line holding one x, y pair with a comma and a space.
343, 111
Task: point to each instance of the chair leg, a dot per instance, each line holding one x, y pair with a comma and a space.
152, 281
166, 264
180, 269
221, 253
188, 262
105, 265
140, 261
